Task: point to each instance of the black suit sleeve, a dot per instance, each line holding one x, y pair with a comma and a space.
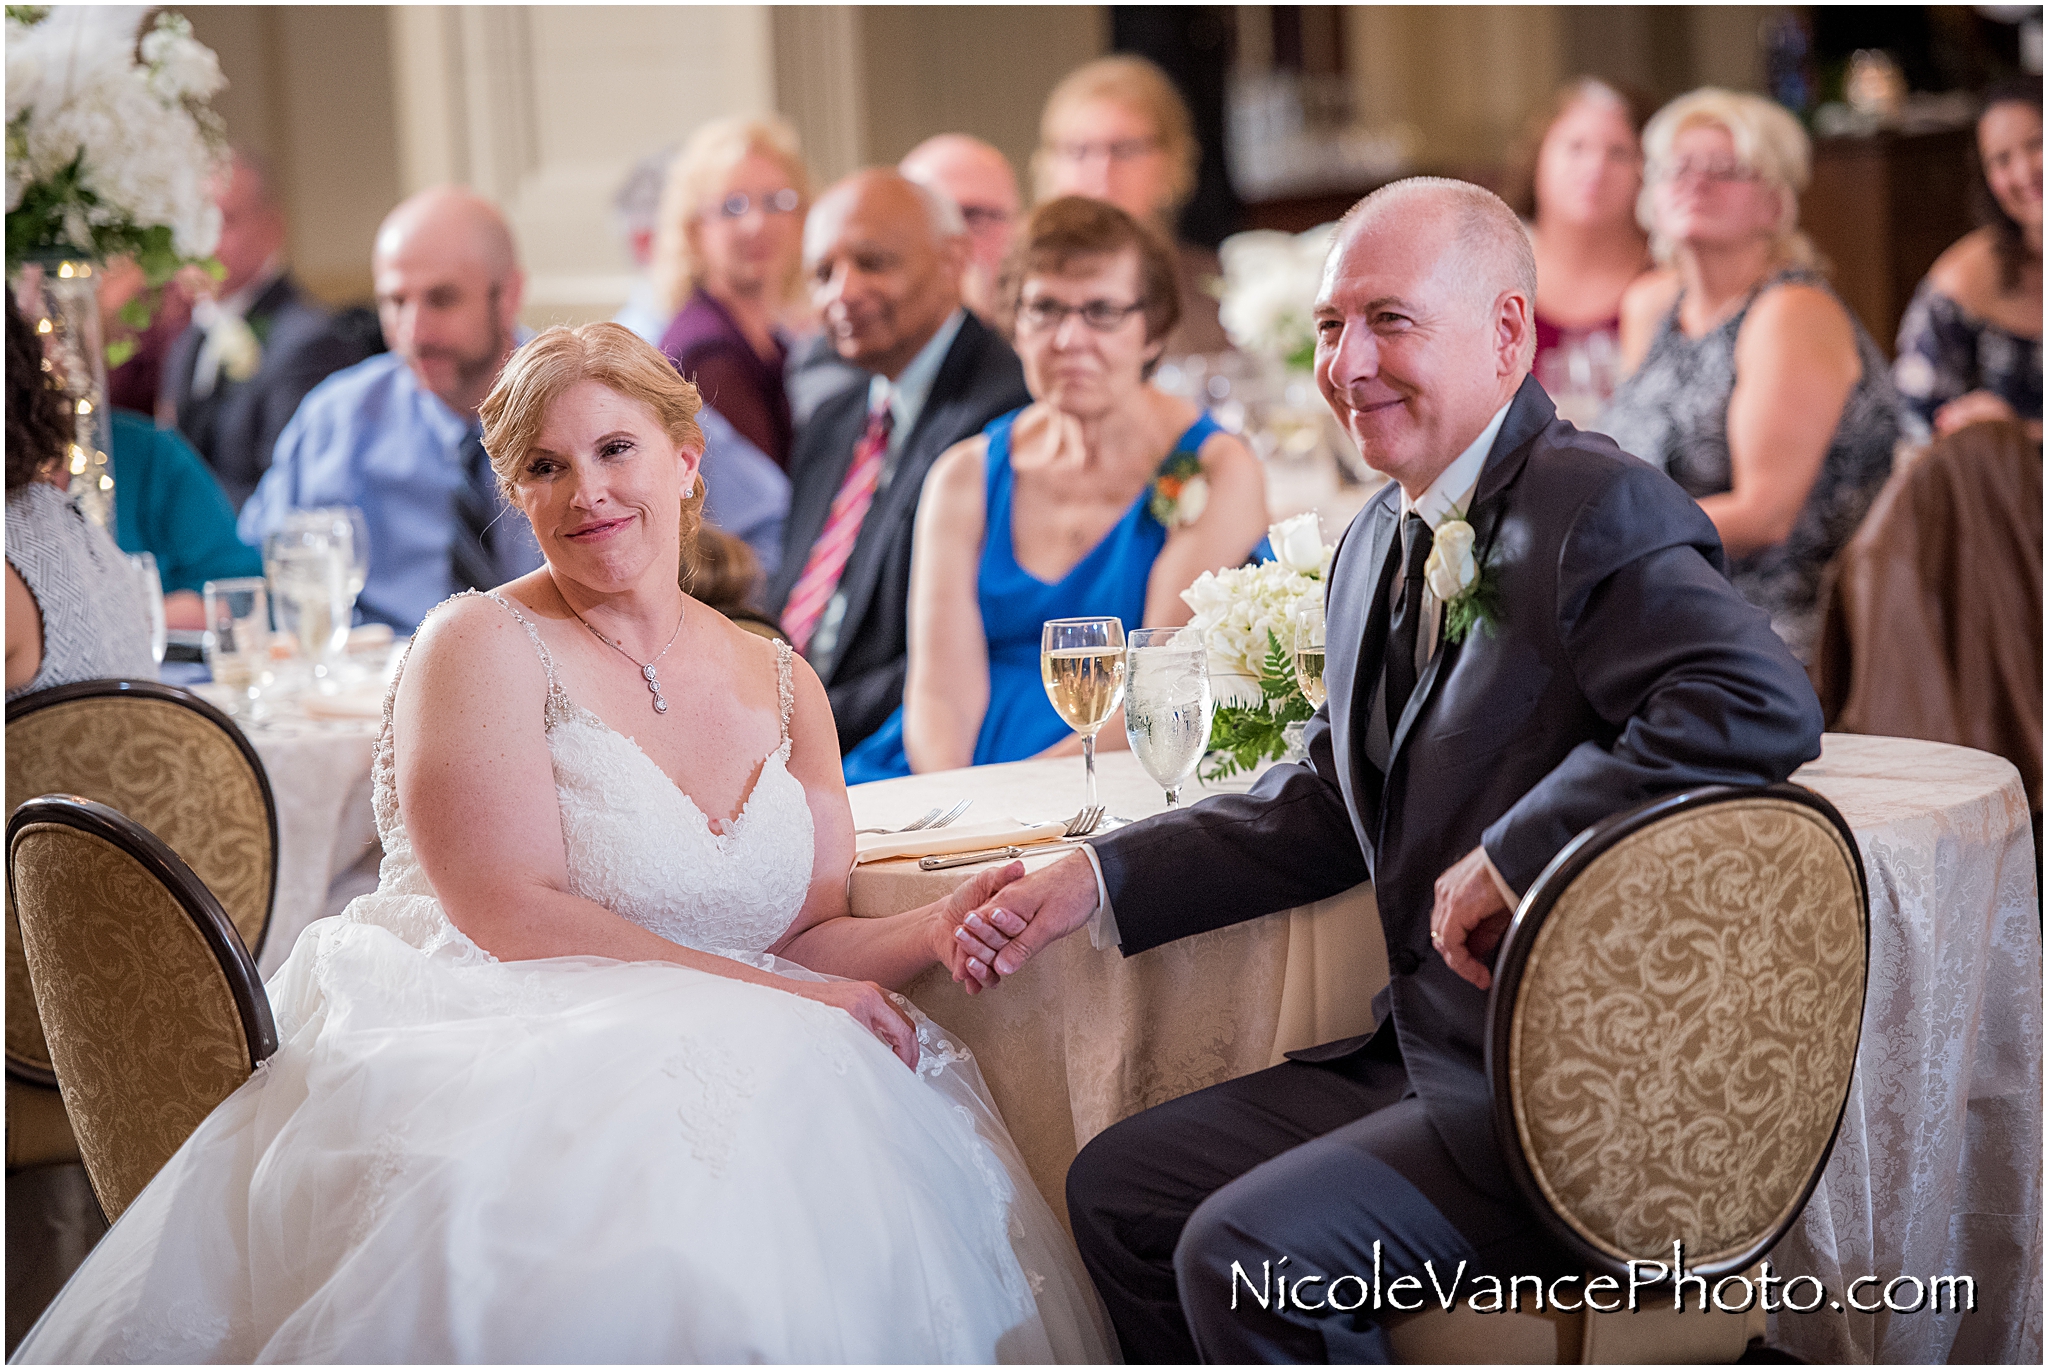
1235, 857
863, 700
1697, 687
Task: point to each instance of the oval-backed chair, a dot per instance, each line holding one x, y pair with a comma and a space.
183, 770
151, 1003
1671, 1034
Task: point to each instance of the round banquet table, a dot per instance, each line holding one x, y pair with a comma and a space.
1936, 1169
319, 769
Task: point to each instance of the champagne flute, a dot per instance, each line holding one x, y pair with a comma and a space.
1082, 663
1308, 661
1167, 705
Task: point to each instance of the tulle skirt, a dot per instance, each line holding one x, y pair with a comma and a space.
453, 1159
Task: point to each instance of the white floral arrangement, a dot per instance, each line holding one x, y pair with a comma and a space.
1248, 617
108, 155
1268, 293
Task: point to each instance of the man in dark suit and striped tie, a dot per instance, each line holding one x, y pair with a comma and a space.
885, 258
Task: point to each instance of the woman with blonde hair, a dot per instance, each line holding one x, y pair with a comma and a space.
1115, 129
1749, 381
582, 1080
728, 250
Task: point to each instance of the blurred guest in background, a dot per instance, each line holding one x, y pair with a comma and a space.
397, 436
1749, 381
636, 218
1115, 129
1970, 344
75, 610
885, 258
255, 347
1575, 183
727, 258
170, 506
983, 185
1050, 513
137, 383
745, 493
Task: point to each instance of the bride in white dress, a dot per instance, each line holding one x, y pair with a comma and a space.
603, 1071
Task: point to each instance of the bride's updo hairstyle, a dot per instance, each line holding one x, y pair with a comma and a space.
542, 371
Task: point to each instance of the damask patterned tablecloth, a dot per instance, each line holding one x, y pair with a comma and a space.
319, 771
1080, 1039
1937, 1168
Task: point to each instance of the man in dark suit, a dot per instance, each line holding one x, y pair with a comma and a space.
237, 374
885, 258
1616, 664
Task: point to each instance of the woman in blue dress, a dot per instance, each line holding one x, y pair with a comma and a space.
1105, 496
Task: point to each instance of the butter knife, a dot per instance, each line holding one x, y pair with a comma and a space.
970, 858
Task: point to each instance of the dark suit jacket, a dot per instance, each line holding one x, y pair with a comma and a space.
1622, 665
864, 668
236, 426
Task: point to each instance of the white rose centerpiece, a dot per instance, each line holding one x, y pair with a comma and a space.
1248, 616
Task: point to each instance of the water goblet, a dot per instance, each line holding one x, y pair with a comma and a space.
237, 638
151, 586
1168, 707
309, 563
1081, 661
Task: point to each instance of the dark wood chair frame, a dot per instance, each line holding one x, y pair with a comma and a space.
149, 851
1513, 959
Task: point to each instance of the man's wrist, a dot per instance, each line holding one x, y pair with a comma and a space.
1102, 929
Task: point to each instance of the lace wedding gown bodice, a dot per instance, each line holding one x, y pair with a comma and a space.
636, 843
452, 1158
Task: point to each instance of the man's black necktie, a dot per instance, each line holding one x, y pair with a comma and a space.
469, 552
1405, 625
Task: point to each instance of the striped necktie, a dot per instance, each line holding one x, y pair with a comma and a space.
827, 561
472, 562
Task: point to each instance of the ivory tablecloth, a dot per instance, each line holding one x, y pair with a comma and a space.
1937, 1167
319, 773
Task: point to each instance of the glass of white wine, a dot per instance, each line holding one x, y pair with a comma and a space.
1082, 663
1168, 707
1308, 661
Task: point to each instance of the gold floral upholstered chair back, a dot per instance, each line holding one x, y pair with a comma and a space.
150, 1001
1672, 1030
174, 764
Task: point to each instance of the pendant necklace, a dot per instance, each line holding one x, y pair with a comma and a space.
647, 671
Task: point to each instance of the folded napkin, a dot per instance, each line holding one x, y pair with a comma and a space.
883, 846
359, 701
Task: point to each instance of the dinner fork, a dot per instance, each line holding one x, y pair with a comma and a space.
1075, 828
930, 821
915, 825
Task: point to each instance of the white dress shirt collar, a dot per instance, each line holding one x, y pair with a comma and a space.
1451, 491
906, 395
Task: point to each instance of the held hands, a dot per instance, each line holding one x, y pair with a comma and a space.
1032, 914
1469, 918
967, 937
1979, 406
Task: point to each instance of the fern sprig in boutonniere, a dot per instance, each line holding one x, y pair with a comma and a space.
1460, 583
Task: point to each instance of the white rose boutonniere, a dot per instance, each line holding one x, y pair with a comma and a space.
241, 352
1455, 577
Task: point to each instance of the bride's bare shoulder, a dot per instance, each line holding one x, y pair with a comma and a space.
471, 646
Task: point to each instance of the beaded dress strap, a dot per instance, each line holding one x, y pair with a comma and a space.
558, 706
785, 684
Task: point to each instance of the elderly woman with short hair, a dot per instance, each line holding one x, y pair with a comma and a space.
1115, 129
728, 252
1749, 380
1066, 507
